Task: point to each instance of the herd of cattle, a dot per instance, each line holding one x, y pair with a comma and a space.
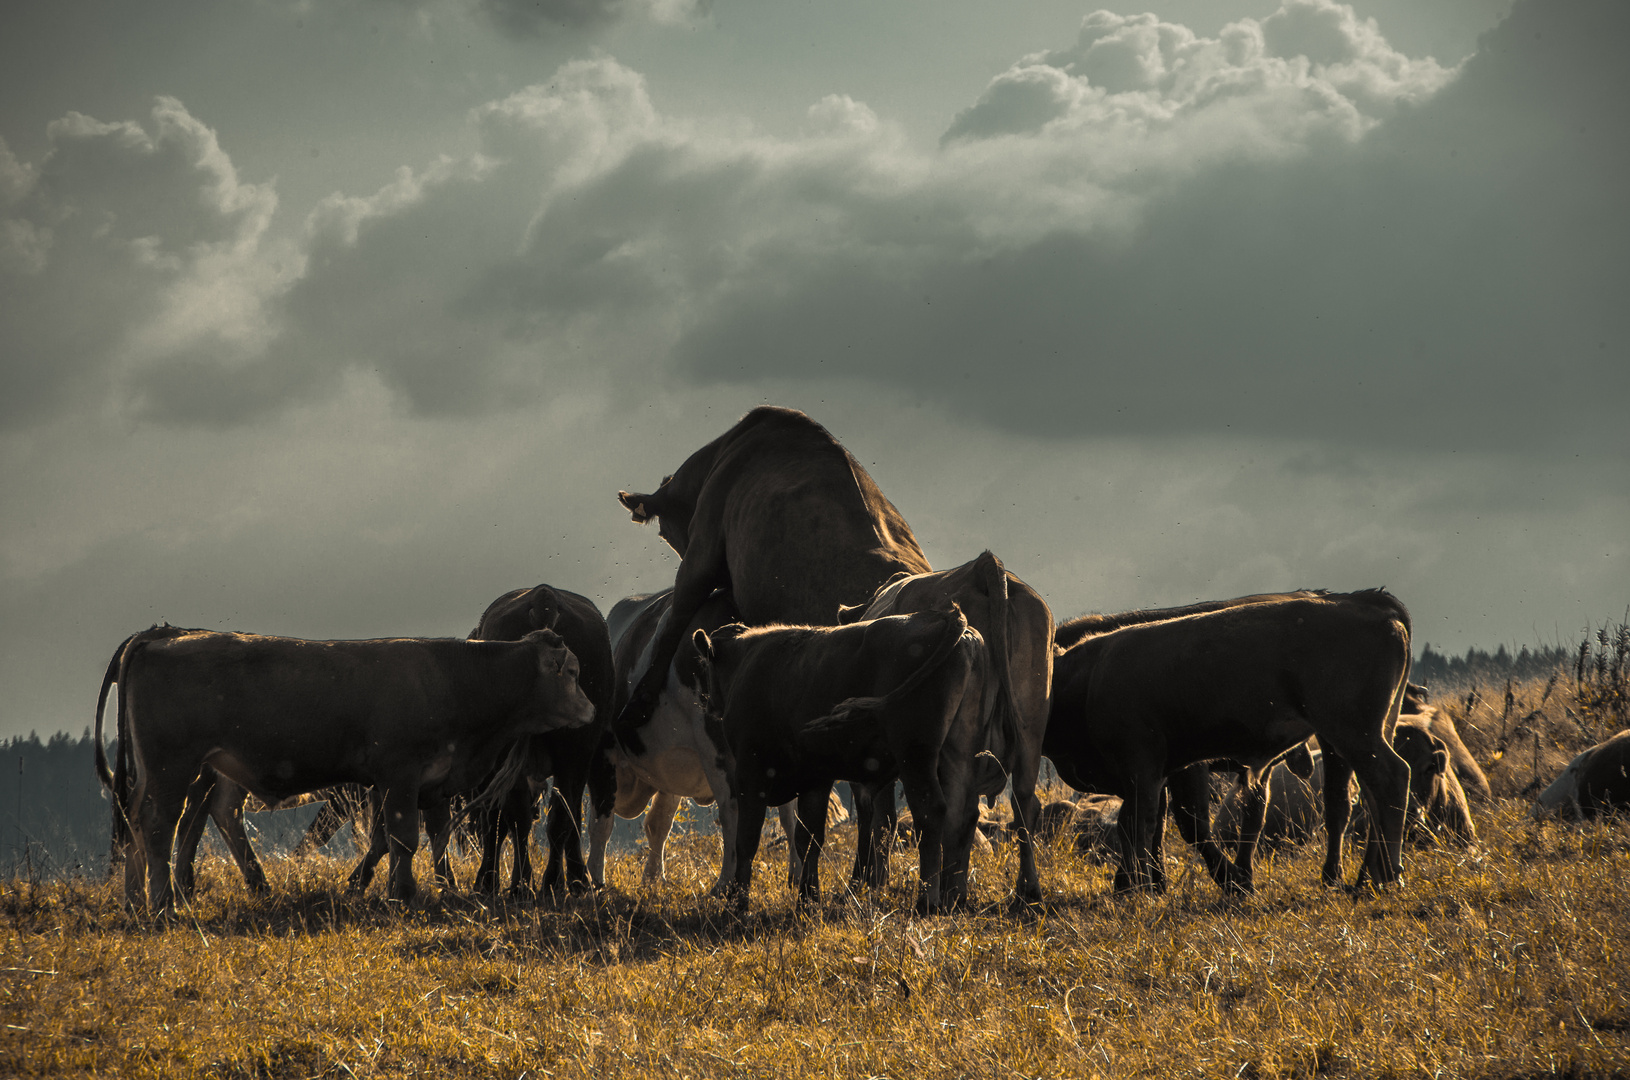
806, 640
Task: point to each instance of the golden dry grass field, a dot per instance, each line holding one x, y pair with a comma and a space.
1510, 961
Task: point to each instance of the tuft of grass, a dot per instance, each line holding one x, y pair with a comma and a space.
1510, 961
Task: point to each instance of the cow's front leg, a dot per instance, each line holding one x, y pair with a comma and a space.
438, 822
402, 828
809, 837
749, 815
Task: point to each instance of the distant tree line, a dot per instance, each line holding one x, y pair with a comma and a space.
1439, 671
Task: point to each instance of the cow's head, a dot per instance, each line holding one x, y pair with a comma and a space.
1428, 759
671, 509
564, 705
714, 652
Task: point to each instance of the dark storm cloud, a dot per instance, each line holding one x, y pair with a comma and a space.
1454, 278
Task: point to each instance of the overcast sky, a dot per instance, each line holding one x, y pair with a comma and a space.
340, 319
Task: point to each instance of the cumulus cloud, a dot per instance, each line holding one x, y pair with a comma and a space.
1288, 228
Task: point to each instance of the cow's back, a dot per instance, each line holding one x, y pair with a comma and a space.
804, 528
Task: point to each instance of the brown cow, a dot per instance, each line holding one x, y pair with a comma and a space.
283, 716
1018, 628
1595, 782
1246, 683
777, 511
1441, 726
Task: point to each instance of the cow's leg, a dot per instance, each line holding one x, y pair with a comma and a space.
659, 821
401, 806
961, 822
875, 822
488, 825
520, 812
438, 822
1338, 809
1383, 782
1157, 844
190, 832
808, 838
565, 833
226, 809
378, 845
1140, 812
926, 799
790, 825
602, 800
1190, 792
748, 830
1252, 814
162, 797
1026, 815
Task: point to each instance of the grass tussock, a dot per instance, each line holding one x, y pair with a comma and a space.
1510, 961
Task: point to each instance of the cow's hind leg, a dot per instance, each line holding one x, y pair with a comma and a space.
874, 834
749, 828
659, 822
161, 797
378, 845
566, 872
190, 832
1139, 817
226, 810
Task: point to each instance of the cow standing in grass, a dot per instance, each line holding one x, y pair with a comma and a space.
284, 716
1246, 683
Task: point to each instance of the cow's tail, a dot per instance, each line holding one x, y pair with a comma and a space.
860, 710
108, 679
993, 580
492, 795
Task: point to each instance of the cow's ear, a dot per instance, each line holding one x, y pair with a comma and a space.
850, 613
702, 644
545, 609
638, 505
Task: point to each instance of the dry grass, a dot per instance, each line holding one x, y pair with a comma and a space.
1514, 961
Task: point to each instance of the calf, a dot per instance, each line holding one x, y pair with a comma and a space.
792, 709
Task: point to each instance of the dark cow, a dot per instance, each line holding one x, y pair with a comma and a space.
1017, 627
1246, 683
1595, 782
283, 716
575, 757
1189, 788
778, 512
796, 708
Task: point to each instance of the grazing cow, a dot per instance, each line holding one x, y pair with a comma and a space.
1132, 706
1441, 726
1018, 629
575, 757
1595, 782
1438, 810
779, 513
792, 709
283, 716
